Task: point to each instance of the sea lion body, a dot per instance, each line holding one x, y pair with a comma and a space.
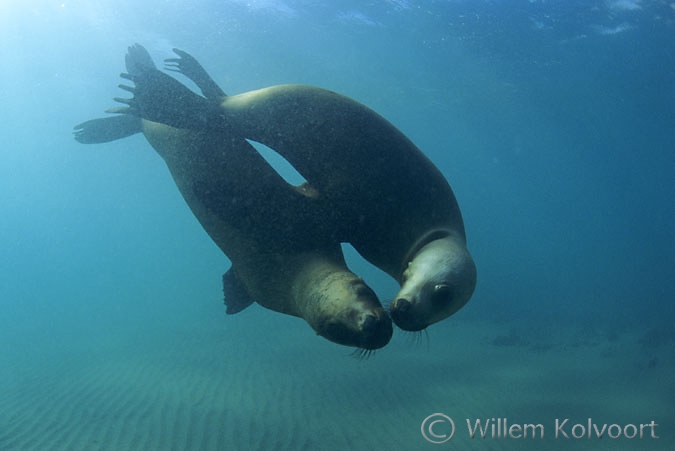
285, 265
388, 192
397, 209
290, 270
385, 196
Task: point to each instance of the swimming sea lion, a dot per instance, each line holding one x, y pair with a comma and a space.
394, 205
278, 259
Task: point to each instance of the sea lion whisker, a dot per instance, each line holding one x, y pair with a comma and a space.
427, 341
418, 337
362, 353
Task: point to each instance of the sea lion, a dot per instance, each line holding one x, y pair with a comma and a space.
394, 205
278, 258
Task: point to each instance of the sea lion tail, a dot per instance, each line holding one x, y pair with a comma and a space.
106, 129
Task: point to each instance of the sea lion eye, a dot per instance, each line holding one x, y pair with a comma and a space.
442, 294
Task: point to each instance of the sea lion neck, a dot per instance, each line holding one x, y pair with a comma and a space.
425, 239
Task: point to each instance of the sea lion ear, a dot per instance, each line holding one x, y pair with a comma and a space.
236, 296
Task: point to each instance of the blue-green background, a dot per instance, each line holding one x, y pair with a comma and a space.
554, 122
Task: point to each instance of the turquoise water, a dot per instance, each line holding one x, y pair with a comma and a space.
552, 121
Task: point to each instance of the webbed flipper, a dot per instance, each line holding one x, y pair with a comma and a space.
138, 59
107, 129
236, 296
158, 97
187, 65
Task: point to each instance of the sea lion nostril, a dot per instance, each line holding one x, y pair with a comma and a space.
369, 324
377, 331
402, 305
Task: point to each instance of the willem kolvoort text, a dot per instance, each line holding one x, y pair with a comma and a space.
500, 428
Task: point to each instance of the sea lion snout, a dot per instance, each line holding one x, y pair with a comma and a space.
372, 331
437, 282
369, 324
343, 309
377, 330
419, 311
406, 316
401, 306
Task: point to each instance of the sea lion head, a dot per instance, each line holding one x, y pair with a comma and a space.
438, 280
350, 313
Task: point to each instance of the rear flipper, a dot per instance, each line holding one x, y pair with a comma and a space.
138, 59
187, 65
160, 98
107, 129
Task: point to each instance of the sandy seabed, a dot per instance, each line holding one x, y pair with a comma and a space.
259, 380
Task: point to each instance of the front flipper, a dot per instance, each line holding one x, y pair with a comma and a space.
236, 296
107, 129
187, 65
